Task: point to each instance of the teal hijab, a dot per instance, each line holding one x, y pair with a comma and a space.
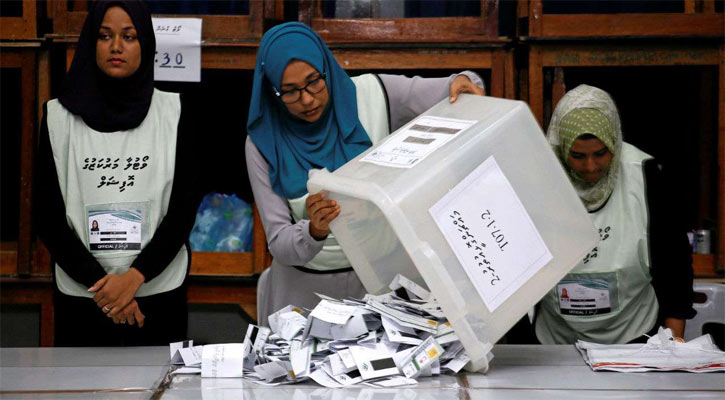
291, 146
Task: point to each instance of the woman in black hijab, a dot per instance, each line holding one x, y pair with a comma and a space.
116, 151
108, 103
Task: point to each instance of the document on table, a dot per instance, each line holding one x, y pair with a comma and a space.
323, 378
273, 319
660, 353
402, 282
273, 370
174, 350
374, 363
402, 318
410, 145
290, 324
398, 333
300, 353
222, 361
421, 357
253, 344
334, 313
186, 371
191, 355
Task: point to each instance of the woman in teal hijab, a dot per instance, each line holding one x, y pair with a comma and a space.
307, 113
293, 146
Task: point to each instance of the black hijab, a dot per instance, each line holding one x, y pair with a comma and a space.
108, 104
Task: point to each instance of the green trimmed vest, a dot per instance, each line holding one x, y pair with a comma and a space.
372, 110
607, 297
116, 188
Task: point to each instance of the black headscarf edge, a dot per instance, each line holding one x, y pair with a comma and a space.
104, 103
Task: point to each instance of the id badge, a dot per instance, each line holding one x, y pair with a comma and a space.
587, 294
117, 226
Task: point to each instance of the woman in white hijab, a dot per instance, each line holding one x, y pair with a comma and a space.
639, 276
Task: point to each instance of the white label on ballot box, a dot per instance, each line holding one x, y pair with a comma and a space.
491, 233
178, 49
420, 138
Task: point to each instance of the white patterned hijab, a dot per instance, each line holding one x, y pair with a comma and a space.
587, 110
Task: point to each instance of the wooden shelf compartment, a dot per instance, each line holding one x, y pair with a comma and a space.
70, 23
30, 57
23, 26
698, 19
408, 30
703, 265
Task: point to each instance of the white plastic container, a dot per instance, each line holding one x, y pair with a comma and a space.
385, 227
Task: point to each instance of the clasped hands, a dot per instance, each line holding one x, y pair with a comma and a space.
114, 295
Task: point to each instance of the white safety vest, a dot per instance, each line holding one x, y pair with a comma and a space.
116, 188
372, 111
608, 297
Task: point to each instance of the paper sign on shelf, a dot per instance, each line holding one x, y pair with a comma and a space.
491, 233
178, 49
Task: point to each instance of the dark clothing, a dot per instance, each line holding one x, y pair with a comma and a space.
79, 322
670, 254
107, 104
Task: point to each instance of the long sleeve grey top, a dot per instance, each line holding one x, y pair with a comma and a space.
291, 243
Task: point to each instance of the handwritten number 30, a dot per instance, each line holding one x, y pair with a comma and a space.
166, 59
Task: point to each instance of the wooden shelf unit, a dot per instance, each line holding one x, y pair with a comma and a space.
25, 275
214, 27
21, 258
23, 26
402, 30
698, 19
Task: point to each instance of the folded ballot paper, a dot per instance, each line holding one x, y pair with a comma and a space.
211, 361
660, 353
388, 340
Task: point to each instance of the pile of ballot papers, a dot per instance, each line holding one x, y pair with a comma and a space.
387, 340
660, 353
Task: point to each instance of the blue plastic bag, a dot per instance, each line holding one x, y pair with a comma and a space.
223, 223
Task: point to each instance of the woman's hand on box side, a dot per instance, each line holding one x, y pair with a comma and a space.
321, 212
461, 84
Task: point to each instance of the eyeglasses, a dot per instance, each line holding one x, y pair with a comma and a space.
294, 95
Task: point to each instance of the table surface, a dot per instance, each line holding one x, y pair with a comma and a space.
517, 371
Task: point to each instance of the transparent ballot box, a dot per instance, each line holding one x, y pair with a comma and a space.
469, 201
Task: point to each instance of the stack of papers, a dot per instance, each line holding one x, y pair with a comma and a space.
660, 353
383, 341
386, 341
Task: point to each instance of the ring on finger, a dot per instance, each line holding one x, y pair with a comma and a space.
106, 309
